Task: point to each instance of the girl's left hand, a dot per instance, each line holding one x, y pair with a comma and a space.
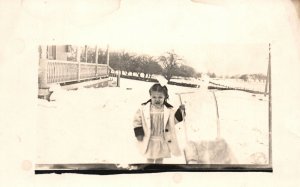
182, 107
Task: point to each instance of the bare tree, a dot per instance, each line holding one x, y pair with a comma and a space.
126, 60
139, 66
211, 75
133, 65
198, 75
185, 71
170, 63
244, 77
149, 66
154, 68
114, 60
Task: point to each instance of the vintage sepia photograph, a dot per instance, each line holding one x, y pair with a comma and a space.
102, 107
153, 87
150, 93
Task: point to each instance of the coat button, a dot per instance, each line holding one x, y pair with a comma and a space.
169, 141
167, 130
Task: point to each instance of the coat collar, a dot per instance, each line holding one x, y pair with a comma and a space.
146, 112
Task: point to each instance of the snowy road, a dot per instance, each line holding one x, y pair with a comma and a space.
94, 125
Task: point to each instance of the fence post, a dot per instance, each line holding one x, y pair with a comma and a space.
107, 55
78, 60
267, 86
96, 62
43, 73
42, 76
85, 51
118, 79
107, 60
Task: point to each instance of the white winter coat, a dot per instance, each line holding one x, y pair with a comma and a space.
142, 119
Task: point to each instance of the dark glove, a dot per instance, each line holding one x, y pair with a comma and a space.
182, 107
180, 113
139, 133
140, 138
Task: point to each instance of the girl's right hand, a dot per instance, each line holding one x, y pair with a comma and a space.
139, 138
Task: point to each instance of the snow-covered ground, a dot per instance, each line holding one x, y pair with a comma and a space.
94, 125
233, 83
239, 83
244, 125
186, 80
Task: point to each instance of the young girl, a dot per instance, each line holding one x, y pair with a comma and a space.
154, 126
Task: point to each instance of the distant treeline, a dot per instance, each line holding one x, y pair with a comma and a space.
169, 64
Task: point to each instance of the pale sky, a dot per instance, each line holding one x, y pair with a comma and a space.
222, 38
226, 37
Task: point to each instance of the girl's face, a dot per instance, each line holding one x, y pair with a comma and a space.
157, 98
